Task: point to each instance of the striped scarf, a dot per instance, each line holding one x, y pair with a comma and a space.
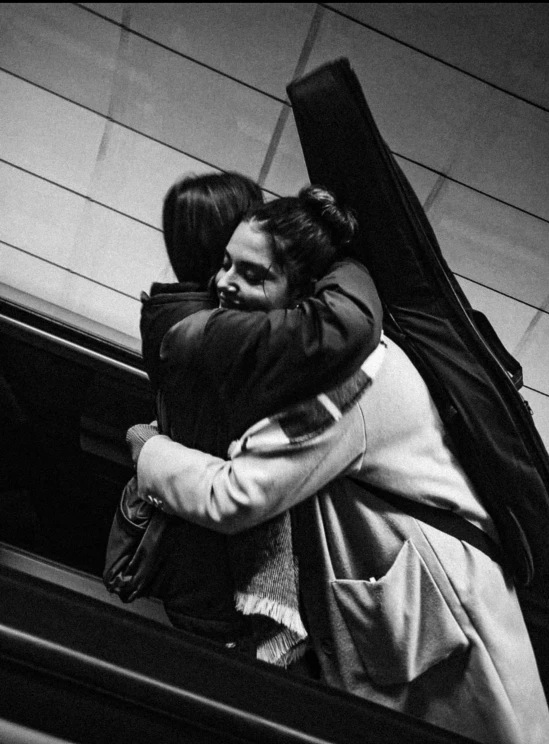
263, 561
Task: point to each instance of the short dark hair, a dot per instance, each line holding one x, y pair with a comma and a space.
308, 232
200, 213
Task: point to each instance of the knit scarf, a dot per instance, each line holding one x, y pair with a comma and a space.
264, 565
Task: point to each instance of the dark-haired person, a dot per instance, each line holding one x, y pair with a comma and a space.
248, 365
399, 611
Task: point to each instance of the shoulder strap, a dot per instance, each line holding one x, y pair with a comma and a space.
444, 520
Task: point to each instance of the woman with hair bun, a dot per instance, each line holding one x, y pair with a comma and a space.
403, 586
308, 232
300, 237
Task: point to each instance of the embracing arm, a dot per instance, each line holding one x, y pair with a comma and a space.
260, 362
256, 484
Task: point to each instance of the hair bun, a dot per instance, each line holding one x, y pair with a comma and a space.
322, 203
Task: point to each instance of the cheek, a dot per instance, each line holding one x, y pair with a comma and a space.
255, 299
279, 295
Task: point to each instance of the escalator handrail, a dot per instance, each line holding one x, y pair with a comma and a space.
73, 346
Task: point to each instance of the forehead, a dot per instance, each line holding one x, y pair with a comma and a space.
251, 245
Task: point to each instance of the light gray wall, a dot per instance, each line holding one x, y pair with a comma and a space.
104, 105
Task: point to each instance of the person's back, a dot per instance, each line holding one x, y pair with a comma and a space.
194, 579
200, 213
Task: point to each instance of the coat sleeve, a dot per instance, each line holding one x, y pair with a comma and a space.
261, 362
255, 485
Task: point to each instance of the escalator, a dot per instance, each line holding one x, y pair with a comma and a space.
66, 399
76, 665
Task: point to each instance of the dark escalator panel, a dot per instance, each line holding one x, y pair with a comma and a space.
66, 400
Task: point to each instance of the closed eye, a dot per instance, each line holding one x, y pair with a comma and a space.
252, 276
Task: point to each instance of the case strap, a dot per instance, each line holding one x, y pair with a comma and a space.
444, 520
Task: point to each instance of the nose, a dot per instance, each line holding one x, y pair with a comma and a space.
226, 281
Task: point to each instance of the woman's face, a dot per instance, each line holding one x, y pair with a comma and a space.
249, 279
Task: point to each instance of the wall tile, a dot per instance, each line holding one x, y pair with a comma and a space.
118, 251
506, 153
288, 172
192, 108
504, 43
135, 172
107, 308
29, 274
422, 180
53, 290
37, 216
47, 135
492, 243
450, 122
74, 53
258, 43
72, 232
422, 107
61, 47
509, 318
83, 151
114, 11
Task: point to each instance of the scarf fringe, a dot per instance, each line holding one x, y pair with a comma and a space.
252, 604
281, 650
286, 646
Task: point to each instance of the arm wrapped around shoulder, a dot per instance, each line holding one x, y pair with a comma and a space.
261, 362
262, 479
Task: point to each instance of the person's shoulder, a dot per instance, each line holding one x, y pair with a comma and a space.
346, 272
166, 305
186, 336
161, 293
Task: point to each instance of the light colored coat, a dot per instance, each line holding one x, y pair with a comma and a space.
399, 612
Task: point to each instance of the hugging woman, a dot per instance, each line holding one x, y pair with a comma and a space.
399, 611
311, 319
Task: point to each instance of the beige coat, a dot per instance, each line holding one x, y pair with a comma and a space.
399, 612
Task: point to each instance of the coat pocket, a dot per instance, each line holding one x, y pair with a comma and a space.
400, 625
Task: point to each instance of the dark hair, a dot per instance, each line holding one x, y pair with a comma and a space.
308, 231
199, 215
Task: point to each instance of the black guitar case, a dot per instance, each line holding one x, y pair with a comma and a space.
472, 378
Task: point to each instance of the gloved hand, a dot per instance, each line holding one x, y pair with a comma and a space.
137, 436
